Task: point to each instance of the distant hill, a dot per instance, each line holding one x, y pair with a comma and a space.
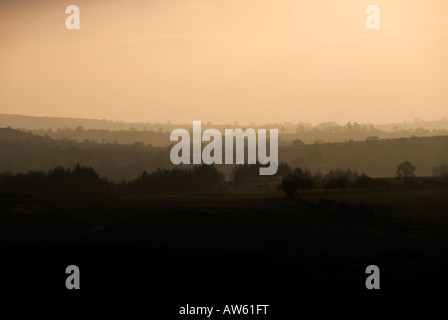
429, 125
54, 123
157, 134
377, 158
44, 123
9, 134
21, 151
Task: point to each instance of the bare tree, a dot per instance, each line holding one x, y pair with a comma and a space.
405, 170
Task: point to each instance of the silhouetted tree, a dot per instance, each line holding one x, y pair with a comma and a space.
304, 179
363, 182
298, 142
245, 174
405, 170
342, 182
340, 179
199, 178
290, 185
81, 178
283, 170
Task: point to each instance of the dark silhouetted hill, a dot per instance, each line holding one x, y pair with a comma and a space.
9, 134
20, 151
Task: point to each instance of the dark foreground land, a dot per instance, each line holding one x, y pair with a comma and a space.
213, 249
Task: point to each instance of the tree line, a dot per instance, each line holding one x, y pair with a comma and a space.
341, 180
83, 178
206, 178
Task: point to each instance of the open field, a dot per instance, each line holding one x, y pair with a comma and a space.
248, 221
255, 246
422, 205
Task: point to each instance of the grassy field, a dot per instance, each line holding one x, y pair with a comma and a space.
140, 218
418, 207
245, 221
244, 235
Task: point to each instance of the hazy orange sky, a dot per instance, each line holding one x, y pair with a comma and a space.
225, 60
